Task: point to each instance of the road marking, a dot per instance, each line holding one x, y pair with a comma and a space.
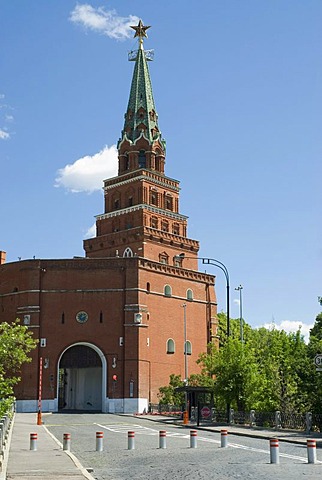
115, 428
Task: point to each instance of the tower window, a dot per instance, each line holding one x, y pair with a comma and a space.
142, 159
127, 162
116, 204
130, 201
128, 252
168, 203
188, 348
189, 295
164, 258
148, 287
154, 198
154, 222
171, 346
167, 291
176, 229
165, 226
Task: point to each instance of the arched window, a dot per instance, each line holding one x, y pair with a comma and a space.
167, 291
142, 159
171, 348
154, 222
154, 198
128, 252
189, 295
168, 202
164, 225
164, 258
176, 229
127, 161
148, 287
188, 349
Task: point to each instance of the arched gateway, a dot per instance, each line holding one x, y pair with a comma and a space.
82, 378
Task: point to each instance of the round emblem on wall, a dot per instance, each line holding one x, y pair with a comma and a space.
82, 317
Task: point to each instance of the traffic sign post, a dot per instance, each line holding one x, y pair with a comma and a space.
318, 362
206, 412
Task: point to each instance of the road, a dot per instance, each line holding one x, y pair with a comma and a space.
244, 458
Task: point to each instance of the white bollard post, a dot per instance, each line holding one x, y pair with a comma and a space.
130, 440
224, 438
33, 441
311, 451
66, 441
162, 439
274, 450
99, 441
193, 438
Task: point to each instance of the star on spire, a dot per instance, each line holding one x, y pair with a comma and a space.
140, 31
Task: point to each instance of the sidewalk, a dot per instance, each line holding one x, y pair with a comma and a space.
298, 437
49, 461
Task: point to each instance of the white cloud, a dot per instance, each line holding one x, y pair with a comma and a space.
4, 118
106, 22
4, 135
91, 232
87, 173
292, 326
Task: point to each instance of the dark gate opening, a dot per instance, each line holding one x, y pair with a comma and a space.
80, 380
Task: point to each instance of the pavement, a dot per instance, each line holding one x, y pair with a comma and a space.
50, 461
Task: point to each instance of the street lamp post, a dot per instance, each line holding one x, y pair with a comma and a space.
223, 268
186, 415
185, 343
240, 288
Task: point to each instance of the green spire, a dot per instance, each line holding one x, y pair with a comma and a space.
141, 117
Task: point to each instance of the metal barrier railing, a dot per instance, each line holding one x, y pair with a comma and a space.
278, 420
5, 424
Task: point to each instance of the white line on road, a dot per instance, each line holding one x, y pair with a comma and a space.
150, 431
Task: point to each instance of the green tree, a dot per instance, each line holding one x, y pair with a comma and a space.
282, 362
233, 367
167, 394
16, 343
314, 378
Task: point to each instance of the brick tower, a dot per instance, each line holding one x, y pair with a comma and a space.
114, 325
141, 215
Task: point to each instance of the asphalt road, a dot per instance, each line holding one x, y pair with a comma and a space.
244, 458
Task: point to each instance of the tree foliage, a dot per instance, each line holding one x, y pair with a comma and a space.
16, 343
270, 370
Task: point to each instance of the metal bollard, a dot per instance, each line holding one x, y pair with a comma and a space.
311, 451
33, 441
162, 439
193, 438
130, 440
274, 450
66, 441
224, 438
99, 441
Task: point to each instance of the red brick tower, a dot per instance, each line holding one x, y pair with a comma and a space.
114, 325
141, 215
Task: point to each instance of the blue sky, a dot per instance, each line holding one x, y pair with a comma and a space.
237, 86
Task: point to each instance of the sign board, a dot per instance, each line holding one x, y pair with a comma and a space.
205, 412
318, 362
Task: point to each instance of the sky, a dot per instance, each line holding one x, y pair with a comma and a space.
238, 90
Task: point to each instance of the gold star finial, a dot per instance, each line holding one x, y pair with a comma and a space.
140, 31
